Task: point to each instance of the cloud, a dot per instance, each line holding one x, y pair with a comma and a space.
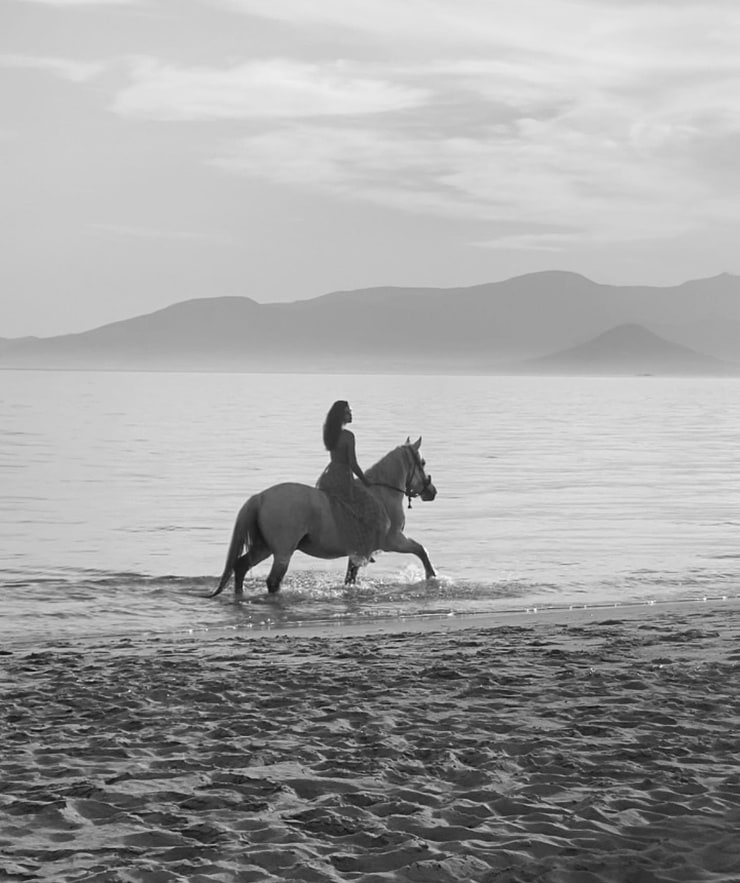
544, 176
593, 120
70, 3
548, 242
271, 88
422, 27
67, 69
417, 24
157, 233
565, 119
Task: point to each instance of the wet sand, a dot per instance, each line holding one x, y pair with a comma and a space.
574, 746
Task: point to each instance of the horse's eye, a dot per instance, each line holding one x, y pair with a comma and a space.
423, 463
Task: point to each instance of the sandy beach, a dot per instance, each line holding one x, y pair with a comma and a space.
574, 746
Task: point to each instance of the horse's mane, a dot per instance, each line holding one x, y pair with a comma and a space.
378, 471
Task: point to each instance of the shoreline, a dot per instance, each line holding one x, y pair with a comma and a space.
597, 744
442, 623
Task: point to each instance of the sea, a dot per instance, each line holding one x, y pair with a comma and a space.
118, 493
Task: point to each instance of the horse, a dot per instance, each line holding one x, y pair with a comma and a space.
292, 517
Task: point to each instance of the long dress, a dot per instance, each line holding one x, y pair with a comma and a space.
360, 517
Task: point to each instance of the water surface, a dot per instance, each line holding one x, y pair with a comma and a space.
119, 492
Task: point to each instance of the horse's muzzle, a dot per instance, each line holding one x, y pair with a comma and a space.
429, 493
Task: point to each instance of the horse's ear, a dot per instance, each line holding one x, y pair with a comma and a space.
417, 444
408, 440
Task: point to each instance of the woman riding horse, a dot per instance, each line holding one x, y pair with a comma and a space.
290, 517
360, 517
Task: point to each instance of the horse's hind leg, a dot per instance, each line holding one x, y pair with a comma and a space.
277, 572
245, 563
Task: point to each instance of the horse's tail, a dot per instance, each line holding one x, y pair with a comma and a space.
245, 531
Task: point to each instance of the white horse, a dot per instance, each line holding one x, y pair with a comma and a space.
292, 517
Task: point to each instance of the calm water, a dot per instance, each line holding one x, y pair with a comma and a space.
118, 494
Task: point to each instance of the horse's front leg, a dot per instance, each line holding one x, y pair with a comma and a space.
400, 543
350, 577
353, 568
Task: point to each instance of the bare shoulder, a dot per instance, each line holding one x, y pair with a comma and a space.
346, 437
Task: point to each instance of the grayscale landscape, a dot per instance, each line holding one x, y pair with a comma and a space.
369, 441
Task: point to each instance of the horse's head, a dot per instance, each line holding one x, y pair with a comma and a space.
418, 481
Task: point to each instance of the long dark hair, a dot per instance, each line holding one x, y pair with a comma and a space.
333, 424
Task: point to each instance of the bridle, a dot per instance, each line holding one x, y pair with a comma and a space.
408, 491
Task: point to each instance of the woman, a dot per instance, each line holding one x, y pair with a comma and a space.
361, 519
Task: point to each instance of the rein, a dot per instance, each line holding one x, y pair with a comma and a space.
408, 491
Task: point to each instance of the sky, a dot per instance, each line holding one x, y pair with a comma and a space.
153, 151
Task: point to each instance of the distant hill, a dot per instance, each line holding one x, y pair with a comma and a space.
629, 349
7, 344
482, 328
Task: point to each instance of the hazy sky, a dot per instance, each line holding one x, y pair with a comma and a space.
157, 150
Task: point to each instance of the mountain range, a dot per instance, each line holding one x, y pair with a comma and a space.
551, 321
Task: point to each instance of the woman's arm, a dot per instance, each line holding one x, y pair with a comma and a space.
354, 465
